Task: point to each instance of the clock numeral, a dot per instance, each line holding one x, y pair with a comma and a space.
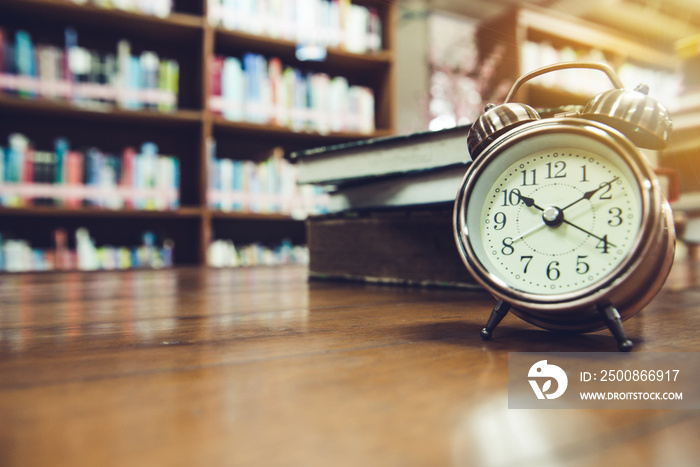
527, 259
583, 174
616, 213
556, 170
529, 177
500, 219
552, 271
511, 198
606, 193
508, 246
603, 244
582, 267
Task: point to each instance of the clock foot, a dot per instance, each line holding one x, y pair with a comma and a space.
612, 320
498, 313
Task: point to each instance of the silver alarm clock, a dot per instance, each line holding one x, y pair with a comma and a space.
562, 219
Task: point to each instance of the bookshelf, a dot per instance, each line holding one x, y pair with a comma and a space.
188, 36
527, 37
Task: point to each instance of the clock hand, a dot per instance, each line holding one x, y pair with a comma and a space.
529, 202
589, 194
604, 240
534, 229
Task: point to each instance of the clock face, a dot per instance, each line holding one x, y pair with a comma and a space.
555, 214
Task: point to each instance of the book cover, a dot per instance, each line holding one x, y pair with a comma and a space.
173, 83
410, 247
128, 173
216, 84
375, 157
123, 64
3, 50
26, 66
135, 83
70, 43
414, 189
233, 89
74, 177
61, 148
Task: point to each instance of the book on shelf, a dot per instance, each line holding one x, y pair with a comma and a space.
70, 178
263, 90
224, 254
86, 77
665, 85
336, 23
267, 187
17, 255
360, 161
406, 246
159, 8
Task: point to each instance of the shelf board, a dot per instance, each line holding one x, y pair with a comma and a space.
543, 97
247, 216
176, 25
540, 22
58, 211
255, 129
338, 59
109, 113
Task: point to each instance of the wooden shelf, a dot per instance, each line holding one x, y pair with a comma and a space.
173, 26
185, 36
336, 59
526, 23
235, 215
546, 24
551, 97
106, 113
87, 212
289, 134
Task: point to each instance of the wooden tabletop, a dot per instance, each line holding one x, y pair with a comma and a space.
261, 367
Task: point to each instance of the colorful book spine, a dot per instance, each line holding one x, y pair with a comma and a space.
17, 255
223, 253
264, 91
268, 187
86, 77
145, 180
160, 8
335, 23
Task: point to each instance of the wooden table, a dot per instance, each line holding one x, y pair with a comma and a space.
260, 367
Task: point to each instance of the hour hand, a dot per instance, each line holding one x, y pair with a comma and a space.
529, 202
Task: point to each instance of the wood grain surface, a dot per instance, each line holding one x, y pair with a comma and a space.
262, 367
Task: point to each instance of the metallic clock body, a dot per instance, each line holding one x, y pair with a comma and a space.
629, 285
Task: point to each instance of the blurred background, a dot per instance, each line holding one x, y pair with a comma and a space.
155, 133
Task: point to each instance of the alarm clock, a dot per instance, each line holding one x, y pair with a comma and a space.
562, 219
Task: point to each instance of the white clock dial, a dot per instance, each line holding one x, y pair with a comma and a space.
554, 221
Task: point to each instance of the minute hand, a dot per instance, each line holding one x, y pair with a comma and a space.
604, 240
589, 194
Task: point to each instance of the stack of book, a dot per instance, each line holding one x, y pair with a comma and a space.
328, 23
73, 73
260, 90
390, 208
70, 178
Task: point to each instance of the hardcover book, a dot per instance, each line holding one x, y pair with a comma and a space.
410, 247
380, 157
